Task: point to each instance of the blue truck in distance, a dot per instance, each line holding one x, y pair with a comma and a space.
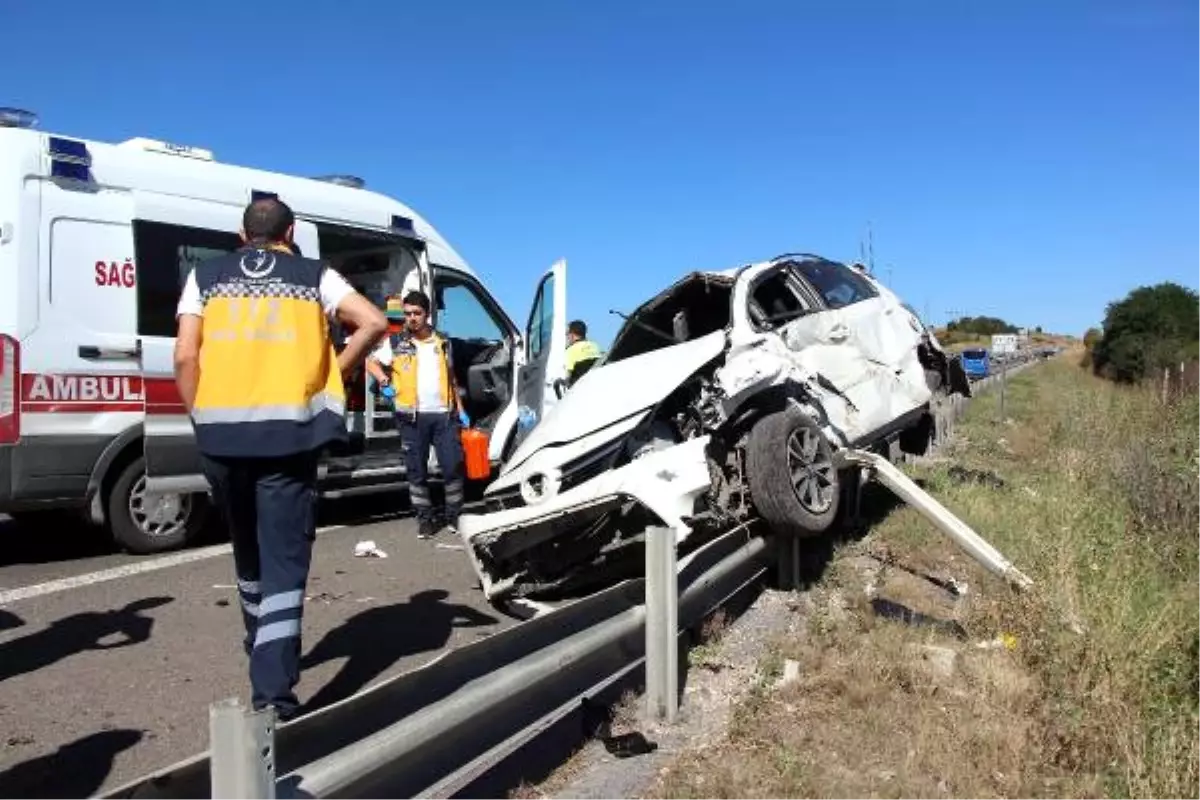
975, 363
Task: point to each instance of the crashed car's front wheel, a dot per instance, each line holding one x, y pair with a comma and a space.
793, 480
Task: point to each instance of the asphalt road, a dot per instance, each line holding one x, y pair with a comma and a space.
108, 662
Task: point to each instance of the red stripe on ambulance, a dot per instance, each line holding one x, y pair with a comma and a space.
81, 394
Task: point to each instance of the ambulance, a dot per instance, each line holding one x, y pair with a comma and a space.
95, 242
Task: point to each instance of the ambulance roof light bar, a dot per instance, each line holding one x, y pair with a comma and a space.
167, 148
17, 118
353, 181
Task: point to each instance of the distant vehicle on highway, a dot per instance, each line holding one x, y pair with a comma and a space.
976, 363
1004, 344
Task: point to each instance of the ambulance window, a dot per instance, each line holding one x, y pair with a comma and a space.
165, 256
463, 314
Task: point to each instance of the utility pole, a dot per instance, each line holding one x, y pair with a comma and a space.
870, 249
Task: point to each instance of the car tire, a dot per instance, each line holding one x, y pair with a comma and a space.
780, 444
143, 524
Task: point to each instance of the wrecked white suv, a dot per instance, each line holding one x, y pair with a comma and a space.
722, 399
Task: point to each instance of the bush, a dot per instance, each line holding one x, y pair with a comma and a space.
1153, 327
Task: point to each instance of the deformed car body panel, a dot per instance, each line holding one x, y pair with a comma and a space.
666, 482
607, 394
651, 434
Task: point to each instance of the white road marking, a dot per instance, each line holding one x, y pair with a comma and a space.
151, 565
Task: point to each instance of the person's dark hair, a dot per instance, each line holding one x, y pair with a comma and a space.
577, 327
419, 299
267, 220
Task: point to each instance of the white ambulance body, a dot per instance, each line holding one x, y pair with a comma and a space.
95, 241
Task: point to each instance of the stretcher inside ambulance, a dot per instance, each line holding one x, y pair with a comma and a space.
95, 241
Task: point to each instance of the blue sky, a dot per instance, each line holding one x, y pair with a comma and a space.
1027, 159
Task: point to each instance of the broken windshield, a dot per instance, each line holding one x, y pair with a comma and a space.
695, 306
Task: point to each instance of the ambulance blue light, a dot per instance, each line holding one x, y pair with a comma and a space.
400, 223
17, 118
69, 159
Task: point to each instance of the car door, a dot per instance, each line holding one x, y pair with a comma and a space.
545, 349
171, 236
880, 340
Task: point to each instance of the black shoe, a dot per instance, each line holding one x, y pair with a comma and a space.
425, 529
283, 713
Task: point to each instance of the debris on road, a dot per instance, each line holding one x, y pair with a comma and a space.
981, 476
444, 546
368, 549
326, 597
791, 673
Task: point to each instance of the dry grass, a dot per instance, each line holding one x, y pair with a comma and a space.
1100, 507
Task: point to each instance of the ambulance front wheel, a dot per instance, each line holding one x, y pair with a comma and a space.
144, 522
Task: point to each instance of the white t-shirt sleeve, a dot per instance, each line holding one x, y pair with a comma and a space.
334, 289
189, 300
383, 352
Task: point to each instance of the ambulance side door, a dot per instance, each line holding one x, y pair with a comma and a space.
545, 348
171, 236
80, 385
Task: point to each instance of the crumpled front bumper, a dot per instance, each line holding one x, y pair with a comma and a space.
666, 482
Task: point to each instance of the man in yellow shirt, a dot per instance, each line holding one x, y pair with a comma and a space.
581, 352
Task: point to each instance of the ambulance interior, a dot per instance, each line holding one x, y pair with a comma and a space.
378, 265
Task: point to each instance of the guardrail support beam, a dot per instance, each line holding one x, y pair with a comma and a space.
242, 749
662, 624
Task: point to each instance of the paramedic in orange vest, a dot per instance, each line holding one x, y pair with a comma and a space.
429, 410
257, 371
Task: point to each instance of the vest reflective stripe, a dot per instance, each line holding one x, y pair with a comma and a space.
404, 371
269, 382
304, 413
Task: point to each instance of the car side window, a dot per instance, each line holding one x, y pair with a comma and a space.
541, 319
775, 301
165, 254
838, 285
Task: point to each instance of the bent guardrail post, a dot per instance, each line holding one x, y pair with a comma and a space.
662, 624
908, 491
242, 744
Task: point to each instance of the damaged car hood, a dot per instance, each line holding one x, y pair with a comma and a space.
612, 392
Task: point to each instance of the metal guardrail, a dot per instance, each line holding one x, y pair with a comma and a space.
438, 727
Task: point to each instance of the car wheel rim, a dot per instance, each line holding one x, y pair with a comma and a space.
812, 471
158, 514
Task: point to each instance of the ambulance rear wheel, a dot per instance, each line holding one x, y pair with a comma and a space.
145, 523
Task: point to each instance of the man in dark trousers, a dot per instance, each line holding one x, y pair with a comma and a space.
256, 368
429, 410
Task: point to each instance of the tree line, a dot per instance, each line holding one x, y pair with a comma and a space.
1151, 329
981, 326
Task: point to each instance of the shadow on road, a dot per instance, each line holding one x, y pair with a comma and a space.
379, 637
77, 633
76, 769
9, 620
49, 537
